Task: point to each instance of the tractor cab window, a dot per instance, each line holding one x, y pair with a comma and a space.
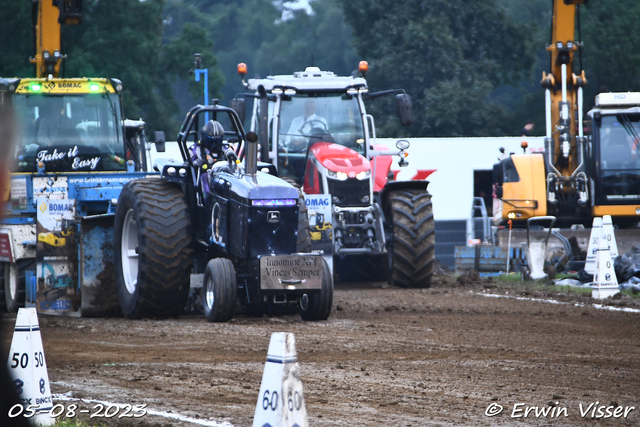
620, 156
309, 118
70, 133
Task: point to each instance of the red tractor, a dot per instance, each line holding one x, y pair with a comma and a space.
313, 126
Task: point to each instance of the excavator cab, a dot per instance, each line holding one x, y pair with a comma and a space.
614, 160
70, 125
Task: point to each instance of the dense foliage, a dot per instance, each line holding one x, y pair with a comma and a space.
472, 68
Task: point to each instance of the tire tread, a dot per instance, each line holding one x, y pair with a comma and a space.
413, 238
165, 248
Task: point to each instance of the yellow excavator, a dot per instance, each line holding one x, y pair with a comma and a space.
321, 231
577, 177
555, 182
47, 16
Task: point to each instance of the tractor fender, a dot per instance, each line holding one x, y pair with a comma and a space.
398, 185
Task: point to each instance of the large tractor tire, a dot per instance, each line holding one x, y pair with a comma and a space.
413, 238
12, 294
152, 249
3, 301
304, 230
219, 290
318, 306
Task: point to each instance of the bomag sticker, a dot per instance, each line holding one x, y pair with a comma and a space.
56, 254
70, 85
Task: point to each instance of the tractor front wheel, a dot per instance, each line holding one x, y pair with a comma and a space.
219, 290
318, 305
413, 238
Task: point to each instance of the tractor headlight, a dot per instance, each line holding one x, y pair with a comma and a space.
171, 171
402, 144
341, 176
274, 202
331, 173
363, 175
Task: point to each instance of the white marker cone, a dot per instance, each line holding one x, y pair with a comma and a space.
594, 244
605, 282
29, 369
609, 236
281, 402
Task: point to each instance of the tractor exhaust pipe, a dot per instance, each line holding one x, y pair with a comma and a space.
251, 156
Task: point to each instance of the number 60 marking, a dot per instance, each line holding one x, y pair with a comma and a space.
273, 402
295, 402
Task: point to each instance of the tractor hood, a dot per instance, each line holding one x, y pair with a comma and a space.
338, 158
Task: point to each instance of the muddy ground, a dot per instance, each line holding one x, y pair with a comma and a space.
386, 356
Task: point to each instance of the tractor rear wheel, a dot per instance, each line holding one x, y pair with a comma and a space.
304, 231
219, 290
413, 238
152, 249
3, 302
318, 305
12, 295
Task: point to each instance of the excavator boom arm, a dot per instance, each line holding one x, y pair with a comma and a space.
47, 16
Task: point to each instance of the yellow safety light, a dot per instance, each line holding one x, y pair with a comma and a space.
363, 67
242, 69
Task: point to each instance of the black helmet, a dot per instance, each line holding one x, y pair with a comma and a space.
212, 134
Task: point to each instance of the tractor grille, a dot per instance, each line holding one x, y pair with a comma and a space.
349, 192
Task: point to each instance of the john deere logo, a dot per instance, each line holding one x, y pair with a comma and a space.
273, 216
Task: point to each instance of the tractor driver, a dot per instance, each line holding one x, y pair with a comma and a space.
303, 126
209, 147
53, 124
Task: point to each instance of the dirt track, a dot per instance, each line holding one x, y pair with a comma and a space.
386, 356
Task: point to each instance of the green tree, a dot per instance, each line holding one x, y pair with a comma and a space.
237, 29
448, 56
17, 39
611, 38
123, 39
323, 35
253, 32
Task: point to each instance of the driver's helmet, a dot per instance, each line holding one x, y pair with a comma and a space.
212, 135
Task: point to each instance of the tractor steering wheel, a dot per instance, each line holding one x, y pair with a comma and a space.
317, 129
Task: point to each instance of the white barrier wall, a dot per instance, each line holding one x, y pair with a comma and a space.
454, 160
